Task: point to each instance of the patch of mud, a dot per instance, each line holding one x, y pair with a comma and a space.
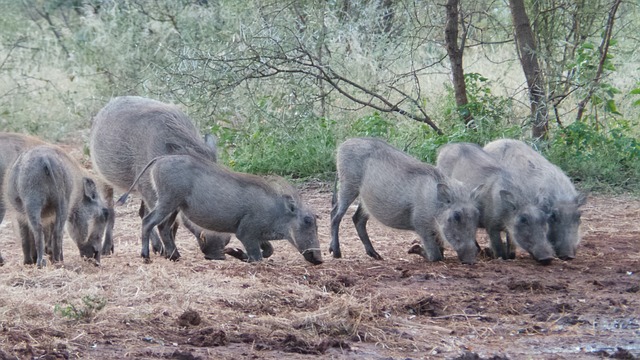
426, 306
183, 355
533, 286
473, 356
208, 337
619, 353
339, 284
189, 317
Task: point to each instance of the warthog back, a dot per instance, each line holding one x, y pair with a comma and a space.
129, 132
403, 193
215, 198
11, 146
505, 205
533, 171
47, 189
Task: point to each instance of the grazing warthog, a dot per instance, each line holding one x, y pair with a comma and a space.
403, 193
47, 188
11, 146
532, 170
505, 205
218, 199
129, 132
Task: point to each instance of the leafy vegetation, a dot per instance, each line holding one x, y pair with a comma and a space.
85, 311
283, 89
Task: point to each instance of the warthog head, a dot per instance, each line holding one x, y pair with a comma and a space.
459, 220
564, 227
303, 232
87, 220
528, 226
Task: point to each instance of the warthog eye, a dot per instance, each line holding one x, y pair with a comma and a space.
308, 220
523, 220
456, 216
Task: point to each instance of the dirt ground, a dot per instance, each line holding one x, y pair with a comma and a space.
351, 308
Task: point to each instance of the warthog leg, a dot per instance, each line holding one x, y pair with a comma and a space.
431, 244
28, 243
167, 234
158, 246
165, 208
511, 248
497, 246
360, 219
346, 196
107, 245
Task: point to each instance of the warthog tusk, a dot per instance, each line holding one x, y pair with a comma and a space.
311, 249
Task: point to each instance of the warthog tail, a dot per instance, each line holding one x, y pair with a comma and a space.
124, 197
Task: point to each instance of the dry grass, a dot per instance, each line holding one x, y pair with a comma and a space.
350, 308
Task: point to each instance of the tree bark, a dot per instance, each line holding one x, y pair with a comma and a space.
455, 57
527, 51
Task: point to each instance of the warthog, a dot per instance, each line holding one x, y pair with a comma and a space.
47, 188
532, 170
505, 205
218, 199
403, 193
11, 146
129, 132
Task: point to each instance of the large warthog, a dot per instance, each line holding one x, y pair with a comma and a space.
129, 132
403, 193
47, 188
11, 146
505, 205
532, 170
218, 199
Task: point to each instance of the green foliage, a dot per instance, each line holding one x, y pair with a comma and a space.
584, 70
84, 312
601, 159
302, 151
374, 125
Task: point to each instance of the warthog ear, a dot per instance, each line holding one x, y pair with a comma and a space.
173, 148
508, 200
90, 190
581, 199
290, 202
444, 193
544, 203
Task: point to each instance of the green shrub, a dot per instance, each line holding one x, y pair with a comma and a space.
84, 312
601, 159
302, 151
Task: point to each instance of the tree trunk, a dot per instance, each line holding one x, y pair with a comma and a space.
527, 52
455, 57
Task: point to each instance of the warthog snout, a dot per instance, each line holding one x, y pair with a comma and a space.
305, 236
313, 256
469, 255
545, 262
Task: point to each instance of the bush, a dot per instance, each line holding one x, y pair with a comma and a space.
600, 159
301, 151
83, 312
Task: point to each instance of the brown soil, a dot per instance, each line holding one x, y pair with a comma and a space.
350, 308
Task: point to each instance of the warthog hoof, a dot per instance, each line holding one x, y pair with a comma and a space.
147, 260
236, 253
337, 254
107, 250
